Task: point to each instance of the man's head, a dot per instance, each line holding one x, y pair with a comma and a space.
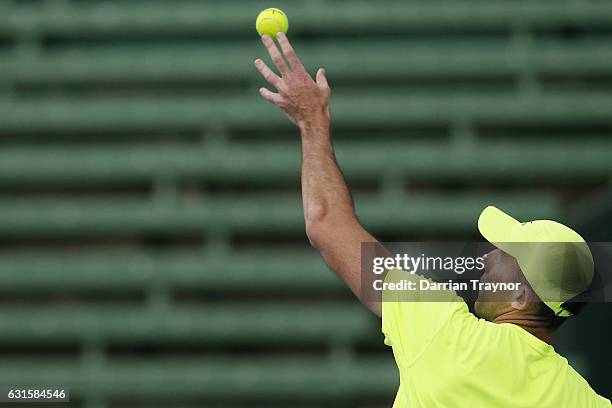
500, 267
552, 263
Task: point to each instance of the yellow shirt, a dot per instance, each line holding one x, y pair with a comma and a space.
447, 357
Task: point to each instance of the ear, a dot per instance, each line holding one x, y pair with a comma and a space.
521, 299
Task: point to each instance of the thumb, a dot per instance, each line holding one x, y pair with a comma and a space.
321, 80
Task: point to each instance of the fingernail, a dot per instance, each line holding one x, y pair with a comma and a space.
257, 61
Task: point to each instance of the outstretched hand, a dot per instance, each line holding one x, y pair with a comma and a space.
304, 100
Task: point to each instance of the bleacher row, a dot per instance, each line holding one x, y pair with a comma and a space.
235, 16
153, 249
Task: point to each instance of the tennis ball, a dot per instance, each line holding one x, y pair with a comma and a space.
271, 21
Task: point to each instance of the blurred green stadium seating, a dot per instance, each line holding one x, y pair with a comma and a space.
153, 249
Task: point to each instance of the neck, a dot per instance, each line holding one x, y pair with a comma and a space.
533, 324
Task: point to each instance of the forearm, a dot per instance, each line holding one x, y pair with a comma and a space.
325, 195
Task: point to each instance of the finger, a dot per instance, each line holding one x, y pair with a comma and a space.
289, 52
270, 96
321, 79
275, 54
267, 73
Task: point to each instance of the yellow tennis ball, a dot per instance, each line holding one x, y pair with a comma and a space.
271, 21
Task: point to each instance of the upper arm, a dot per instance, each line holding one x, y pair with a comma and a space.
339, 242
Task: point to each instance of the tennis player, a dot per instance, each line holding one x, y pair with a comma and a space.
447, 357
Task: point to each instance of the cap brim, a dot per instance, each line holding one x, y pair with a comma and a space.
496, 226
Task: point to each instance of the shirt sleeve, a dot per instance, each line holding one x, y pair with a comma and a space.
412, 318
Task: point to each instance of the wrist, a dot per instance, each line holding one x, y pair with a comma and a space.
315, 126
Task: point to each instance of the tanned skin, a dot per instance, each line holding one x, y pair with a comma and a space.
331, 224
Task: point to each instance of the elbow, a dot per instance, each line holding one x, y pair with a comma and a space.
316, 235
316, 219
323, 226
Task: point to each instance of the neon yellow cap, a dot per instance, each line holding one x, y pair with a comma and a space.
555, 259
